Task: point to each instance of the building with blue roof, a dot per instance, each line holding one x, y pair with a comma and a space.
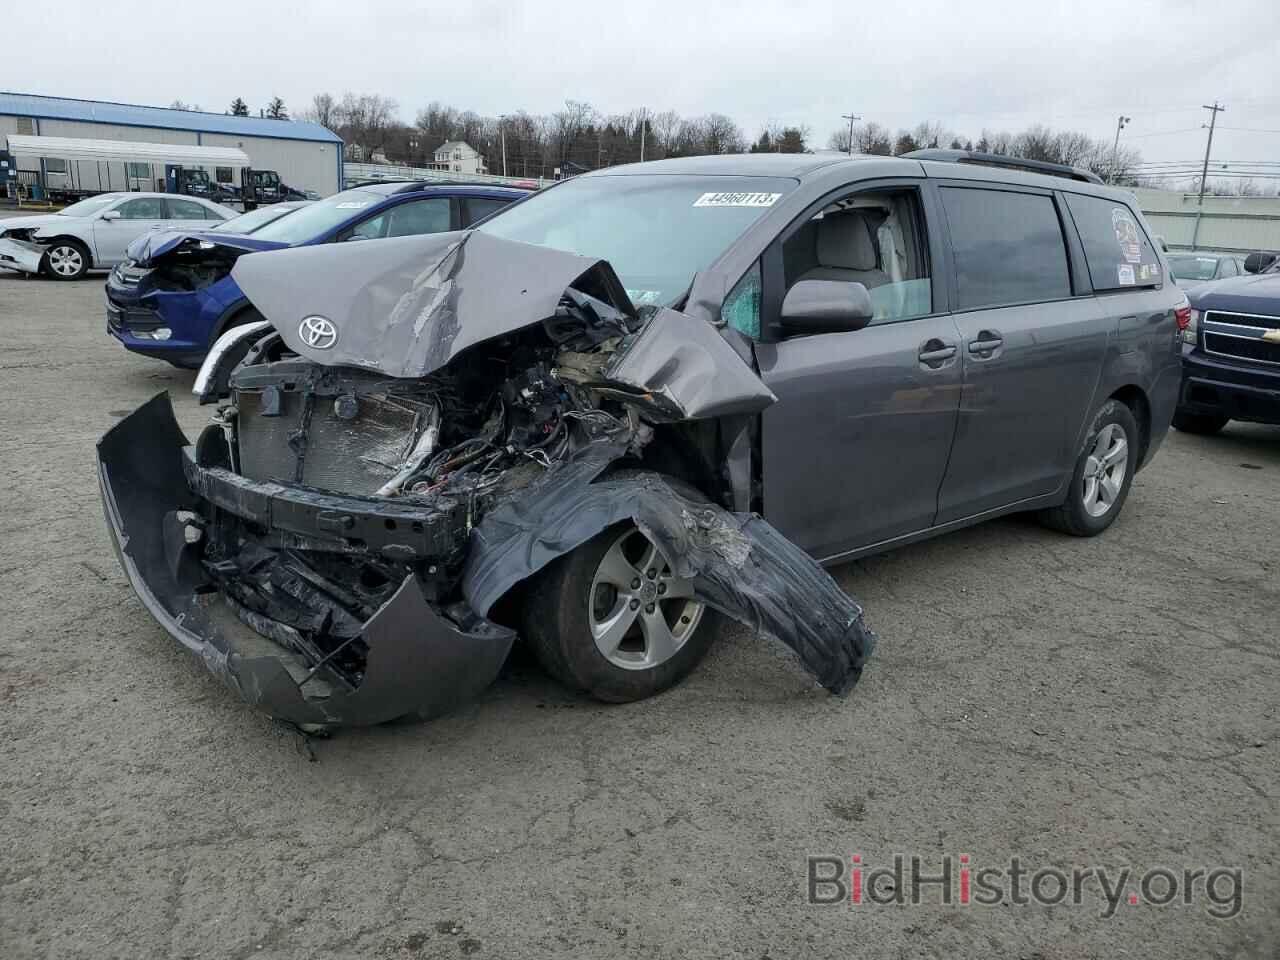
306, 155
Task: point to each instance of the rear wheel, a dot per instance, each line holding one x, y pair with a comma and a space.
1205, 424
66, 260
1104, 471
614, 620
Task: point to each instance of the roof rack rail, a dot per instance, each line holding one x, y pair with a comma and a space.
996, 160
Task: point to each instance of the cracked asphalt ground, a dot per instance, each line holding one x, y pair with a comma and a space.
1099, 702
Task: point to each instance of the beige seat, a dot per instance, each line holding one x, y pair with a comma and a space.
846, 247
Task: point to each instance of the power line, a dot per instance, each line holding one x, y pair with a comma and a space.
1249, 130
1164, 133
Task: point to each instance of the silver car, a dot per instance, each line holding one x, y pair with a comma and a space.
1197, 267
94, 233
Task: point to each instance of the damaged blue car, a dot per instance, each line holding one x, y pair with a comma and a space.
174, 294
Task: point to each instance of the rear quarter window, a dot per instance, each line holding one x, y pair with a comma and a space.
1120, 254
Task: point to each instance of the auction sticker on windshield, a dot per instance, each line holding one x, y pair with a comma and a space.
737, 200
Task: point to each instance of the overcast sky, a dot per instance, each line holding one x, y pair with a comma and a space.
968, 65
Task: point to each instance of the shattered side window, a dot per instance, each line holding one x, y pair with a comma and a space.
741, 308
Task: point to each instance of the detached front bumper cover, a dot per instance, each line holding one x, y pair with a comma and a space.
421, 660
20, 255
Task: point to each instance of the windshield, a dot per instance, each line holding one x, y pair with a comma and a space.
254, 220
92, 205
320, 217
655, 230
1193, 268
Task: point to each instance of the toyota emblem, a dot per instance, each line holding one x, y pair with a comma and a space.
318, 333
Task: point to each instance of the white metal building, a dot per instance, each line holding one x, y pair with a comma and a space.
306, 155
1228, 224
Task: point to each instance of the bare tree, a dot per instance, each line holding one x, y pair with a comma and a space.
666, 128
365, 119
721, 135
930, 135
321, 111
567, 127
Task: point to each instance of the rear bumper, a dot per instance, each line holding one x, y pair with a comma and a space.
20, 256
422, 659
1238, 390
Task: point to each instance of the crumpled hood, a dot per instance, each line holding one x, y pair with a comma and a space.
151, 246
407, 306
1255, 293
35, 223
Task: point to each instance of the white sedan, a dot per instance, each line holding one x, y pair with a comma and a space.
94, 233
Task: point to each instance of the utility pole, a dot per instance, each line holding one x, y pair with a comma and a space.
644, 122
1204, 171
502, 130
850, 117
1115, 150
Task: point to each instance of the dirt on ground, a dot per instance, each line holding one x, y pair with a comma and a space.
1074, 704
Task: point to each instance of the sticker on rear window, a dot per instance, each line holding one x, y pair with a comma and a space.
737, 200
1127, 234
1124, 273
352, 204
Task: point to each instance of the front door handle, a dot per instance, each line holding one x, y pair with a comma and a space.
935, 352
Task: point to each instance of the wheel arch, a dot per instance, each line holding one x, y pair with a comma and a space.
227, 318
1139, 404
685, 451
70, 238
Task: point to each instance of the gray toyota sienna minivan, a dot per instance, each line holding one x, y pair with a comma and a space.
630, 401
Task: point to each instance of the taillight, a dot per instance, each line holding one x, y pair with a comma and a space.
1183, 315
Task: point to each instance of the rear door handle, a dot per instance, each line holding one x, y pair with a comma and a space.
986, 342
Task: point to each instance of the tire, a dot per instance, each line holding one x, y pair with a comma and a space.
577, 597
1098, 489
1205, 424
66, 260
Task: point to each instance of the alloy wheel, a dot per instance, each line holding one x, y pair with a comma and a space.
65, 261
641, 614
1105, 469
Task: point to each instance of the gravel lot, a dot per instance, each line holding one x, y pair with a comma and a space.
1071, 702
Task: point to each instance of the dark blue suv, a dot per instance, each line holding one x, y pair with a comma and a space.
174, 295
1231, 350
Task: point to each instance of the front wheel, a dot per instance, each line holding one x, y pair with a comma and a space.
1205, 424
66, 260
614, 620
1102, 476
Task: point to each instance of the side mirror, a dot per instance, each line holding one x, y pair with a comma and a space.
1257, 262
826, 306
111, 215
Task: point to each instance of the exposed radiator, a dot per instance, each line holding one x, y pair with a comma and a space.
356, 455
